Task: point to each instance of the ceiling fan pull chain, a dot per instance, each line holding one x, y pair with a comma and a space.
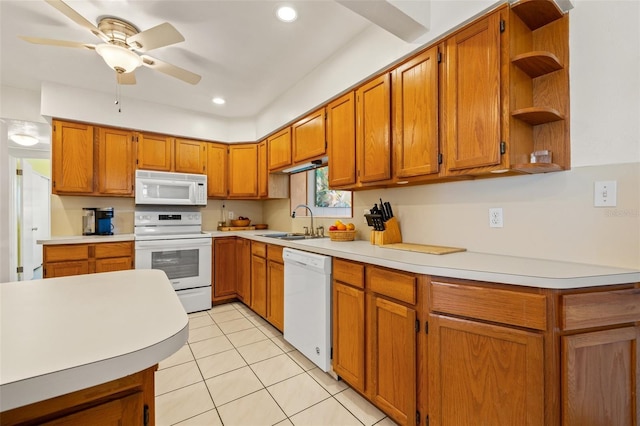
118, 97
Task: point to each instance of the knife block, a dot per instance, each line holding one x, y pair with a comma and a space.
390, 235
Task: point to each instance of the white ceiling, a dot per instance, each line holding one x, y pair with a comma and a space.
240, 49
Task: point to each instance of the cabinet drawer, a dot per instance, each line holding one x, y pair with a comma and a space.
105, 250
602, 308
259, 249
397, 285
347, 272
504, 306
274, 253
66, 252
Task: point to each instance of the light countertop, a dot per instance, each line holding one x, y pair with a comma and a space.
464, 265
87, 239
60, 335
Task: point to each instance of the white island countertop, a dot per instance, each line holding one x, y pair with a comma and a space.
60, 335
522, 271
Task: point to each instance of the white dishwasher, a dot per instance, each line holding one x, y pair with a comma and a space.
307, 305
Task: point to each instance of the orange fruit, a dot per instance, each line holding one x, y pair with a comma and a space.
342, 227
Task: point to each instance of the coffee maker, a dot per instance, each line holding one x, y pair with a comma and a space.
104, 216
97, 221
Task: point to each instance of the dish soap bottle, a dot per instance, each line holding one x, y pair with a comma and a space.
223, 221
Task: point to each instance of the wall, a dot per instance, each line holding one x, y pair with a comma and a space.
547, 216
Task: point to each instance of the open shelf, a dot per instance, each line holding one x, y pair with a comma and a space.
536, 13
537, 115
533, 168
537, 63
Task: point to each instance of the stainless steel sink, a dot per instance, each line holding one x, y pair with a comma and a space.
289, 236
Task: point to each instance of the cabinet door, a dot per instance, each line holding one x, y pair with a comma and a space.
374, 130
65, 269
341, 139
263, 170
392, 331
217, 170
259, 285
128, 410
114, 264
415, 121
472, 110
72, 158
243, 254
224, 282
348, 335
484, 374
600, 384
155, 152
191, 156
279, 147
116, 161
308, 137
275, 294
243, 171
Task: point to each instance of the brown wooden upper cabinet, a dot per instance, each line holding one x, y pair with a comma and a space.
472, 84
243, 170
341, 140
155, 152
72, 158
373, 130
308, 137
415, 119
217, 170
279, 149
91, 160
116, 161
191, 156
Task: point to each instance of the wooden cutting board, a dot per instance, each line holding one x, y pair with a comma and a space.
424, 248
235, 228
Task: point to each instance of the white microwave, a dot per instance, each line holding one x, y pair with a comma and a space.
174, 189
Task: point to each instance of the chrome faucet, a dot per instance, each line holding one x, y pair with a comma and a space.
293, 215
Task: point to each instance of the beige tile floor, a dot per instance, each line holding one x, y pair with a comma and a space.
236, 369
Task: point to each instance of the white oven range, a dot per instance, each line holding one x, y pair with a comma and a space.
172, 240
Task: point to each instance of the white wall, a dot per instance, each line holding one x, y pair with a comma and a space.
94, 107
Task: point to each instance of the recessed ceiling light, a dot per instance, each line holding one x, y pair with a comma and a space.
24, 140
286, 14
218, 101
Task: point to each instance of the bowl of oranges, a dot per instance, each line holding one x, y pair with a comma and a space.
342, 232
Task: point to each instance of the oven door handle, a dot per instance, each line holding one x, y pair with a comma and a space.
169, 245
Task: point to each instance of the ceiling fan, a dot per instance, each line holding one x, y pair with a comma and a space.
122, 40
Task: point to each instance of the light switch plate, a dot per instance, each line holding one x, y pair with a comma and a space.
604, 193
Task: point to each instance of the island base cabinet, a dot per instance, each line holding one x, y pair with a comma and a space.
600, 384
129, 400
484, 374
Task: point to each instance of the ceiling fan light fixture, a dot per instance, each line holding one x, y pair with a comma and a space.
24, 140
119, 58
286, 14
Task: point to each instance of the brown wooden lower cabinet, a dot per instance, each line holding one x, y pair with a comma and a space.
484, 374
62, 260
259, 278
125, 401
495, 354
275, 286
224, 269
243, 253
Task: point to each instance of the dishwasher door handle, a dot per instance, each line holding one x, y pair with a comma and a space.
295, 262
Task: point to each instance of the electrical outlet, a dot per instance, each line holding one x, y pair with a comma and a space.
495, 218
604, 193
232, 215
364, 219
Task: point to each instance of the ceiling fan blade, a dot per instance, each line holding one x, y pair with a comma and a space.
61, 43
172, 70
77, 18
128, 78
153, 38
